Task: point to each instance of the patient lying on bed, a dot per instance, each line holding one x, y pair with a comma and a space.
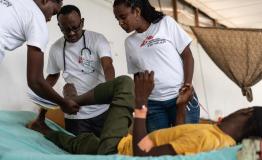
182, 139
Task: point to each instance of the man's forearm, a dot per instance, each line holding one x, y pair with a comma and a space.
108, 68
109, 73
52, 79
42, 88
35, 78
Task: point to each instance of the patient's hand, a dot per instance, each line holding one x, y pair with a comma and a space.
144, 84
146, 144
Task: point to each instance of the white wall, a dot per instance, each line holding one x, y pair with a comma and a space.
215, 90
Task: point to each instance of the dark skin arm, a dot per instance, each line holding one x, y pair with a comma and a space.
52, 79
159, 151
180, 114
36, 81
186, 90
107, 65
88, 97
139, 135
144, 84
184, 97
188, 63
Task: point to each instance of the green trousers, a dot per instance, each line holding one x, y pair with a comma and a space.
119, 93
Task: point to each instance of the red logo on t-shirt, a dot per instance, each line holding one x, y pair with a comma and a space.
148, 38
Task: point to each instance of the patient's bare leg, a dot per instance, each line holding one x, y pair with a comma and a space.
70, 92
41, 127
39, 124
40, 120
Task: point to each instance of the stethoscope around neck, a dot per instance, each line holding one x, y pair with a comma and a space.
83, 53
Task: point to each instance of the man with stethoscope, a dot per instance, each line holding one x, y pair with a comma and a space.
84, 57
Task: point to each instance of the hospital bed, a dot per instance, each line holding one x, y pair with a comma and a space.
19, 143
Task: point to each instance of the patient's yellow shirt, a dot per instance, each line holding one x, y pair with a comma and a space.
185, 139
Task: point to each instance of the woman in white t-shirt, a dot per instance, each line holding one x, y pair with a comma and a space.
159, 44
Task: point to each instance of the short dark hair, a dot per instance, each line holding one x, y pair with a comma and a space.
148, 12
58, 1
68, 9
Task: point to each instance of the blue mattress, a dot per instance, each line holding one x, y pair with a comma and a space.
19, 143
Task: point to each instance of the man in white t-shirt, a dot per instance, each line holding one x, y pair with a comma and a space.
25, 21
84, 57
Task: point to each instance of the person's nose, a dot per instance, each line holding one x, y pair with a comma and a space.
71, 33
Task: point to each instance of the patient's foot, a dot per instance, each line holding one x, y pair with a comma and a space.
39, 126
69, 91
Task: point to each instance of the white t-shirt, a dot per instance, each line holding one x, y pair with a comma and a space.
20, 21
158, 49
85, 75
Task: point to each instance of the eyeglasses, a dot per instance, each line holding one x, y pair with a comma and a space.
75, 30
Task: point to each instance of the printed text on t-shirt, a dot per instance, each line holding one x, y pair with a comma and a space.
150, 41
5, 3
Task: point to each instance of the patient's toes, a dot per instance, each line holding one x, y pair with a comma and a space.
29, 125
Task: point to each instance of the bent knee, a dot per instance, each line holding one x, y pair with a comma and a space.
124, 78
124, 91
125, 81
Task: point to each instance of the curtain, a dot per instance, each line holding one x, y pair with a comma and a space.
237, 52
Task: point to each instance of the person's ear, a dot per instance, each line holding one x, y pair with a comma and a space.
137, 11
83, 21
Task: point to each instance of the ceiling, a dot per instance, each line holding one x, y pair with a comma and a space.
232, 13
